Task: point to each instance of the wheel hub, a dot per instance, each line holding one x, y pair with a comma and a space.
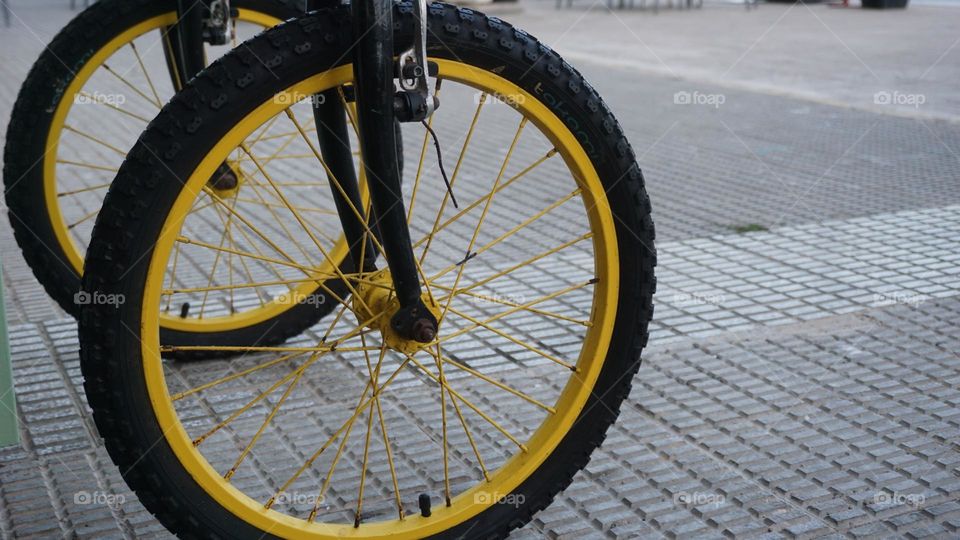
378, 306
227, 179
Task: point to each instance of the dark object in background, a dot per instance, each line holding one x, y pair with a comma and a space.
885, 4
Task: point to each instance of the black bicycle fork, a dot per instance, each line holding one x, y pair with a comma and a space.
378, 104
198, 22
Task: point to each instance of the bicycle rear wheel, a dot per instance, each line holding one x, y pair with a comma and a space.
85, 101
542, 281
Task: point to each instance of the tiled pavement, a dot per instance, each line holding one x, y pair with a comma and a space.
845, 425
730, 283
799, 382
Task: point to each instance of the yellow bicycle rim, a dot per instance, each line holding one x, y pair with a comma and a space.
536, 449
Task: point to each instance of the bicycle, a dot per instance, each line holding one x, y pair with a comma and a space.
486, 359
90, 93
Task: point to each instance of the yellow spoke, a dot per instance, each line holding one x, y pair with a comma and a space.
173, 273
243, 260
256, 231
309, 271
333, 464
145, 73
505, 302
350, 109
470, 404
262, 136
199, 440
216, 261
359, 330
463, 422
444, 390
521, 264
286, 230
302, 184
318, 279
83, 190
333, 324
302, 222
263, 348
99, 141
278, 157
483, 215
298, 373
496, 383
87, 217
206, 386
367, 233
511, 311
270, 206
462, 267
453, 178
197, 209
473, 444
250, 285
522, 225
122, 79
508, 337
93, 99
273, 412
233, 302
253, 244
285, 134
363, 467
88, 165
276, 154
481, 200
300, 208
383, 426
193, 205
357, 411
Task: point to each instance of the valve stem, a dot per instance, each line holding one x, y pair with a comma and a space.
424, 502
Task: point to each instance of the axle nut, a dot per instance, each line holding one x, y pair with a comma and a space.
424, 330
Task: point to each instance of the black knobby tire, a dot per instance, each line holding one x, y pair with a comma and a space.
111, 354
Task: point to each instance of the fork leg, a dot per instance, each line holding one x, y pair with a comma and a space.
183, 43
334, 139
373, 66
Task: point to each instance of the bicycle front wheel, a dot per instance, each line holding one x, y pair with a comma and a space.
542, 280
